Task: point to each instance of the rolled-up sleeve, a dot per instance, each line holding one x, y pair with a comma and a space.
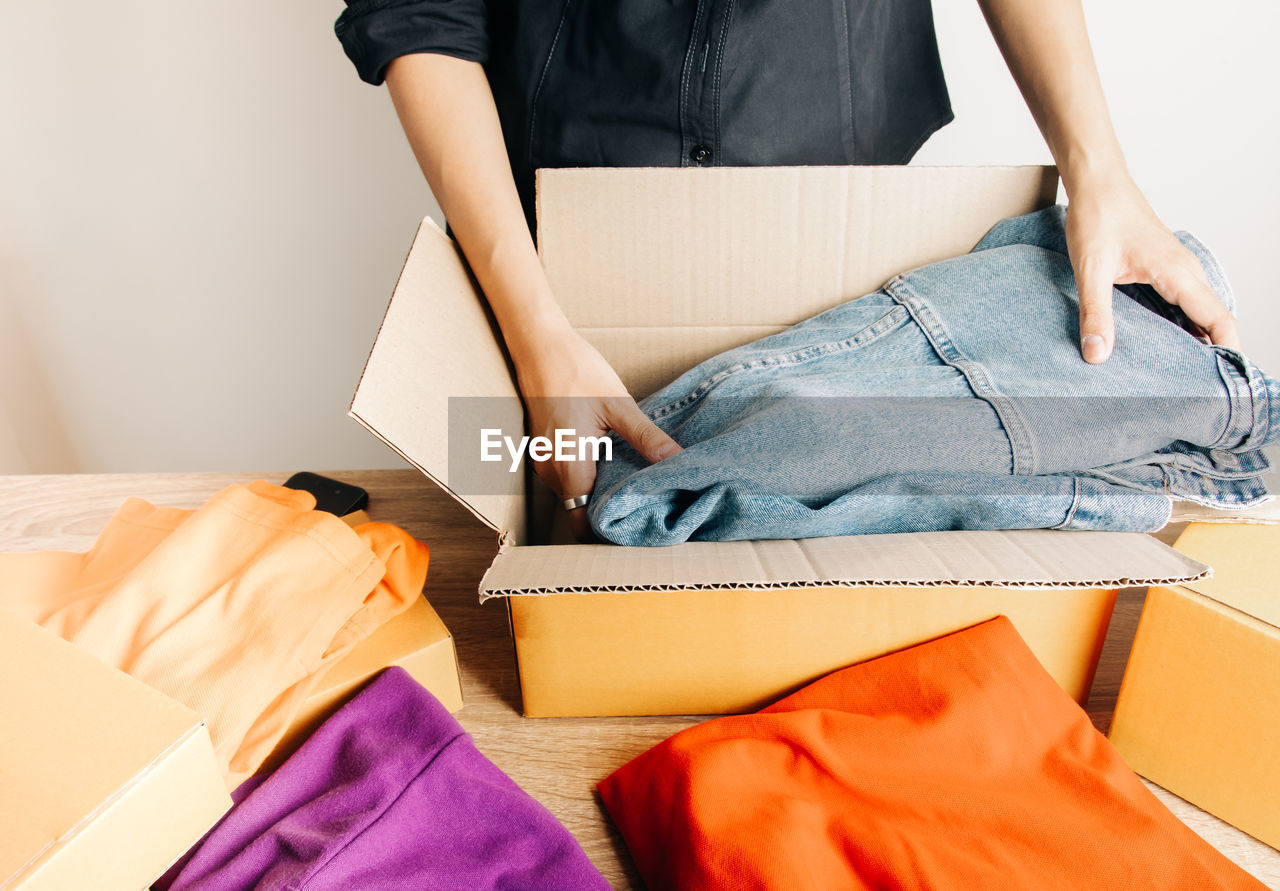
373, 32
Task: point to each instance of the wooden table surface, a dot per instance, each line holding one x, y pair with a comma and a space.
557, 760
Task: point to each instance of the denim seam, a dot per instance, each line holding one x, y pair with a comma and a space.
1185, 484
886, 323
1097, 501
1261, 410
1248, 463
1241, 503
1184, 463
1015, 426
1075, 503
1233, 388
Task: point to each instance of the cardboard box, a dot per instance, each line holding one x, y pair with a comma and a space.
1199, 708
660, 269
416, 640
104, 782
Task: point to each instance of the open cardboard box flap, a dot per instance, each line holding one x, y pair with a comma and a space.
438, 341
661, 268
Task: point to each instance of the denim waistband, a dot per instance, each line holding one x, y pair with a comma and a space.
1225, 475
1250, 421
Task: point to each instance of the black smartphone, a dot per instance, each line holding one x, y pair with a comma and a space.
332, 496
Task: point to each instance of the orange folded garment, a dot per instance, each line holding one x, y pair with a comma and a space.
234, 609
955, 764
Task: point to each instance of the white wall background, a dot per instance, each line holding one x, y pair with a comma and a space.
203, 211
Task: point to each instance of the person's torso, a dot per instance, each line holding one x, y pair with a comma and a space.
714, 82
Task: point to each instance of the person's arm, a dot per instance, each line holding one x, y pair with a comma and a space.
1113, 235
447, 110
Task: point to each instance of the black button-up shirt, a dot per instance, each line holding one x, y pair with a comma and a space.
617, 83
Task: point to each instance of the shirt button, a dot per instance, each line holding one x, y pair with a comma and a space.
701, 154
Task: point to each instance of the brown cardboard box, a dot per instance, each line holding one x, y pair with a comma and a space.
416, 640
104, 782
660, 269
1199, 708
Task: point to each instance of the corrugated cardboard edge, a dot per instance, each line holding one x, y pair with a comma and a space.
1020, 559
1105, 582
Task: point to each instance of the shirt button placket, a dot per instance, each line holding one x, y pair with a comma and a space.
699, 102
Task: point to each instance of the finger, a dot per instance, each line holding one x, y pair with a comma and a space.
577, 478
1094, 283
580, 526
1179, 284
567, 479
634, 426
567, 484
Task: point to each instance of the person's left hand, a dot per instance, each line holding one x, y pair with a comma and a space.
1114, 237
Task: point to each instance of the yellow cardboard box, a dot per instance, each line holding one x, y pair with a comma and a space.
104, 782
1199, 708
660, 269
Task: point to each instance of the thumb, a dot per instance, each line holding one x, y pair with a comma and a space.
1094, 283
646, 437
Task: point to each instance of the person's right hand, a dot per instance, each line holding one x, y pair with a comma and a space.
567, 384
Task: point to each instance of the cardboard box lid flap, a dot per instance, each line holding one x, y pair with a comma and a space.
76, 735
757, 246
1246, 561
1033, 558
437, 342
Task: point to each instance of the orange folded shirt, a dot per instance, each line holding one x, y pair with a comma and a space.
955, 764
234, 609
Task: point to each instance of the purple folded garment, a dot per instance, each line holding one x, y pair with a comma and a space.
390, 792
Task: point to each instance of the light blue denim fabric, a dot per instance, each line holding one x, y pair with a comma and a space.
955, 397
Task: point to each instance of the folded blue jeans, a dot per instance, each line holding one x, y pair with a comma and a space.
955, 397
